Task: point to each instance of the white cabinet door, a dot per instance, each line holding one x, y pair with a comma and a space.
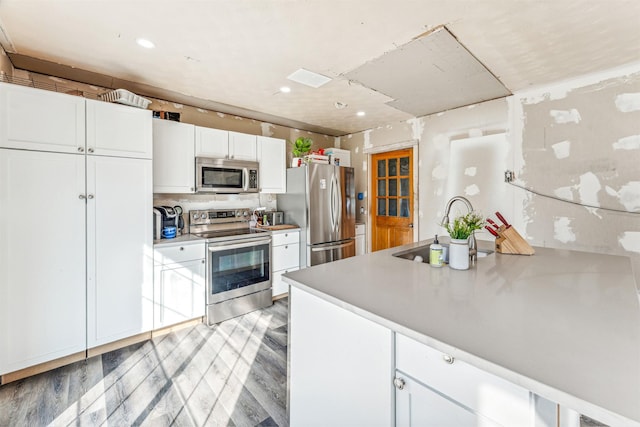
212, 143
419, 406
341, 366
173, 157
272, 156
242, 146
278, 286
119, 248
42, 257
118, 130
179, 292
34, 119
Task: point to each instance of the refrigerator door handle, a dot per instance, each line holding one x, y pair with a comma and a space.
332, 200
338, 205
332, 247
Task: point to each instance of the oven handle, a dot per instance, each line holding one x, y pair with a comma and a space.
225, 246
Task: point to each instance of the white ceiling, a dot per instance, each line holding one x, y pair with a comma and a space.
234, 55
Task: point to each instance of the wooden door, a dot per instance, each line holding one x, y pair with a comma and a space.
392, 199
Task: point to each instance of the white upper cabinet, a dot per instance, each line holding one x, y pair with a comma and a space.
35, 119
173, 157
118, 130
273, 171
212, 143
242, 146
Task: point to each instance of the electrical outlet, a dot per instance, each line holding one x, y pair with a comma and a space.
509, 176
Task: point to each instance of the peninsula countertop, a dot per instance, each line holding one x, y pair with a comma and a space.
563, 324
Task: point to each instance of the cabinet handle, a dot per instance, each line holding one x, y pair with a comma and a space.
81, 196
398, 383
202, 262
181, 248
286, 234
447, 358
90, 150
90, 196
286, 247
80, 149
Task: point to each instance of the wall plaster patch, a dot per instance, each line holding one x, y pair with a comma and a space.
471, 171
589, 188
628, 102
200, 110
627, 143
179, 106
630, 241
439, 173
566, 116
562, 230
471, 190
562, 149
267, 129
221, 115
565, 193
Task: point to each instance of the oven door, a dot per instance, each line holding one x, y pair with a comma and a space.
237, 268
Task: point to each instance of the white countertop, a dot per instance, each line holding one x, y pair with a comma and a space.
179, 240
563, 324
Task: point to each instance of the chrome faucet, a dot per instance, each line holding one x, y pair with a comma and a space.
445, 221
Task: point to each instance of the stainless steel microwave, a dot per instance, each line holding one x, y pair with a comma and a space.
226, 176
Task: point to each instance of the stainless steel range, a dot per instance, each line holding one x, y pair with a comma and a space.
238, 262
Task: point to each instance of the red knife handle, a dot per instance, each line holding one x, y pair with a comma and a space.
501, 218
491, 230
490, 221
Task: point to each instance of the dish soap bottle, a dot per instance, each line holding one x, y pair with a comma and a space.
436, 258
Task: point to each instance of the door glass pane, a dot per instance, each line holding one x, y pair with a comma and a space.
404, 166
382, 168
404, 186
393, 207
393, 187
393, 167
404, 208
382, 187
382, 207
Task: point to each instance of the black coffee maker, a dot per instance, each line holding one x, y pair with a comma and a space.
167, 216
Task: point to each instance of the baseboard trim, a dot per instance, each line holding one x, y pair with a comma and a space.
42, 367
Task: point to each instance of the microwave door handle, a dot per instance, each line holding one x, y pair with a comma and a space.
245, 179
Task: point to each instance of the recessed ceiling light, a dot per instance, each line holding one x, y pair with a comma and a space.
285, 89
360, 113
145, 43
308, 78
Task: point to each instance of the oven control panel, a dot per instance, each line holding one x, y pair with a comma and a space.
219, 216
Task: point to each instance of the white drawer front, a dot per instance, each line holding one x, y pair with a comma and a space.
286, 238
489, 395
178, 253
279, 287
286, 256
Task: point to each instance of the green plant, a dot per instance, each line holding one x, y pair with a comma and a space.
302, 146
463, 226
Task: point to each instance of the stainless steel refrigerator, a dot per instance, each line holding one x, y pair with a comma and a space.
320, 199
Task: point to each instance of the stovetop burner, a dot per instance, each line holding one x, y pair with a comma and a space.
220, 225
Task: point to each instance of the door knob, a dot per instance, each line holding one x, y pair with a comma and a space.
411, 225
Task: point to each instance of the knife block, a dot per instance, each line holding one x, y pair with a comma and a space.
509, 241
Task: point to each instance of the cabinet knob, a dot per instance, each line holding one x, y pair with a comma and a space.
81, 196
181, 248
80, 149
90, 196
286, 234
286, 246
447, 358
398, 383
90, 150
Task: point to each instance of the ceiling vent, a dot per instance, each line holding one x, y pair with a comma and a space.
309, 78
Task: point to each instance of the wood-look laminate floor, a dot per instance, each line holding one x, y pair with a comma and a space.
232, 374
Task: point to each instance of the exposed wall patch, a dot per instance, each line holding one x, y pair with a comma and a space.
221, 115
267, 129
471, 190
565, 193
562, 149
417, 128
439, 172
367, 138
628, 143
566, 116
200, 110
471, 171
627, 102
562, 230
179, 106
589, 188
630, 241
630, 196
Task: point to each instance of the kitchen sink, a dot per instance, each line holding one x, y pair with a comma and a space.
422, 253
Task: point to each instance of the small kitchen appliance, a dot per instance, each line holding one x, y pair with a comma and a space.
164, 216
226, 176
274, 217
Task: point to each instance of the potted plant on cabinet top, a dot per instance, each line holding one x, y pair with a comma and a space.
301, 147
460, 230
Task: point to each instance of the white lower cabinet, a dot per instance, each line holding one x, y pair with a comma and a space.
341, 366
179, 291
42, 257
285, 258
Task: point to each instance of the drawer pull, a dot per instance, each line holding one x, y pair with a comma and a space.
447, 358
181, 248
286, 246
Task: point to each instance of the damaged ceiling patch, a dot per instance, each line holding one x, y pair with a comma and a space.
561, 149
628, 102
566, 116
432, 74
628, 143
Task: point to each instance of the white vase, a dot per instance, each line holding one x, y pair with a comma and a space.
459, 254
